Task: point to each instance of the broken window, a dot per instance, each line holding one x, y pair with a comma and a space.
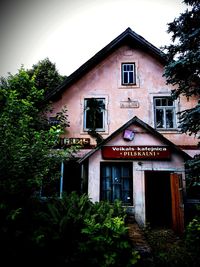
94, 114
164, 110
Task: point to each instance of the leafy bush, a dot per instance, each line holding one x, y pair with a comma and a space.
192, 237
105, 241
69, 232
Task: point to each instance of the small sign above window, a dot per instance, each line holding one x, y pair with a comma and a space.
129, 104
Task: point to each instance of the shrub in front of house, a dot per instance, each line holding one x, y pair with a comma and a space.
104, 239
71, 231
192, 239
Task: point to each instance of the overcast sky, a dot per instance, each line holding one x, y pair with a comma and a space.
69, 32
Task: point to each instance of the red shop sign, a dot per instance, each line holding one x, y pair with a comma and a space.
136, 152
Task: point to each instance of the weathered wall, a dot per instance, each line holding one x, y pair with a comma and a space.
105, 81
142, 137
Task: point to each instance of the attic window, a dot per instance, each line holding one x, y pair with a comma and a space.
128, 74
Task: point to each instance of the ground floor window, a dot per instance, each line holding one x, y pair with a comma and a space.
51, 183
117, 182
63, 177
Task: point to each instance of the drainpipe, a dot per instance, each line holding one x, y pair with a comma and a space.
61, 178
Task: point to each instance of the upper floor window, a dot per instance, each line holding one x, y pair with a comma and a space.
94, 114
164, 110
128, 74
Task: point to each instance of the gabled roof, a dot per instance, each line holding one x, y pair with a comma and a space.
137, 121
128, 37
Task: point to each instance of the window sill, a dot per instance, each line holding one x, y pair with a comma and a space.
131, 86
99, 132
170, 131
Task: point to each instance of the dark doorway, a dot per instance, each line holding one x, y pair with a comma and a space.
72, 177
158, 198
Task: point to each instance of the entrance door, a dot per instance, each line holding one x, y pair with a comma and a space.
117, 182
177, 203
158, 198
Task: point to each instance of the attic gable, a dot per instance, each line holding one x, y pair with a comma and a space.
136, 121
128, 37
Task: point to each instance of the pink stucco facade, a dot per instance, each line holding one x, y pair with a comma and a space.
104, 81
139, 167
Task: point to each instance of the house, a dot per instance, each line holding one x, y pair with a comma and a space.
121, 112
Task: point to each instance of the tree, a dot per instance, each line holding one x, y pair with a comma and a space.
46, 75
183, 71
27, 158
26, 137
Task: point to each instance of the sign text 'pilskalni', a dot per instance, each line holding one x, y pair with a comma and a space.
136, 152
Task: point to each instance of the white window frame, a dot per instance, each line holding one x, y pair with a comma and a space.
164, 108
128, 72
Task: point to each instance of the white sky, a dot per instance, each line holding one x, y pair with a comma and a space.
69, 32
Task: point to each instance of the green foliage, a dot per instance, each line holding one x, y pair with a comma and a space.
105, 237
193, 180
105, 240
183, 54
25, 139
68, 232
183, 71
46, 75
27, 158
192, 237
